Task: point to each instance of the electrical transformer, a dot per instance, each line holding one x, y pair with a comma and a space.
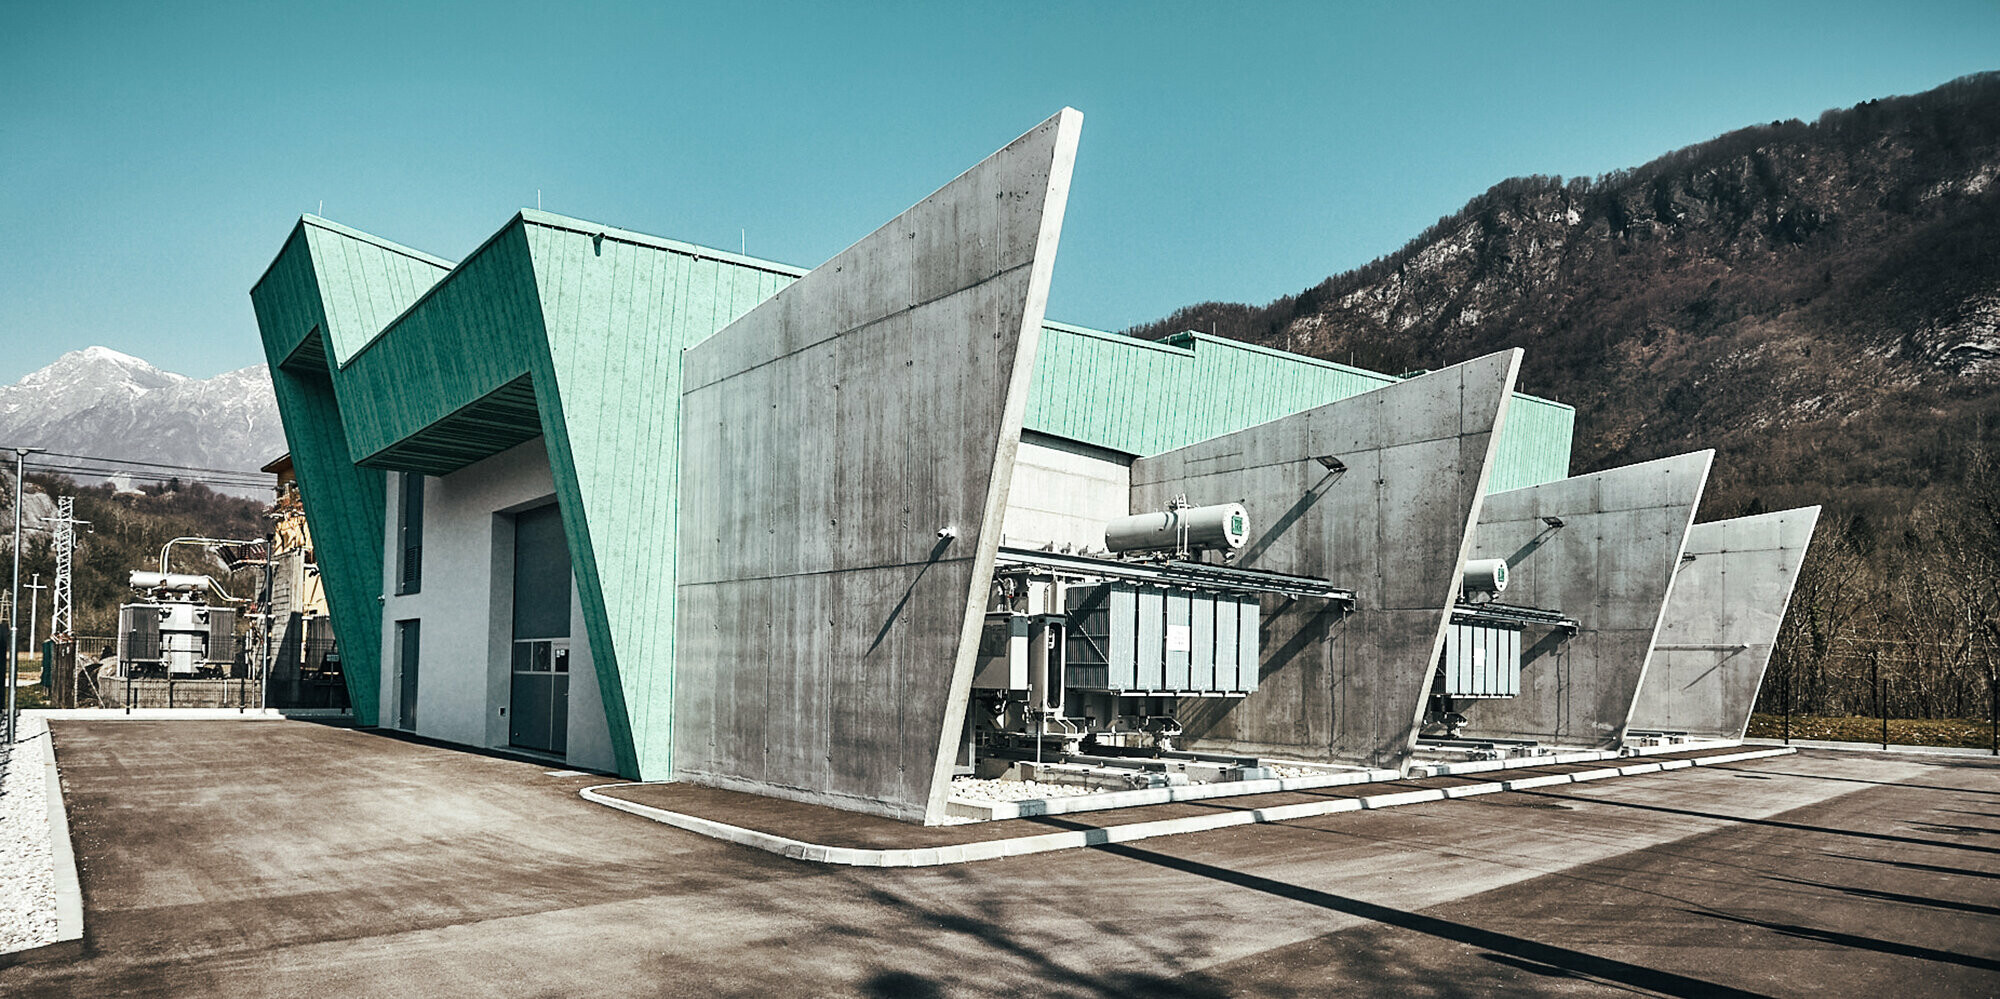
173, 632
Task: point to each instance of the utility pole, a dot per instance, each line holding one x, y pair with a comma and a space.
14, 606
34, 608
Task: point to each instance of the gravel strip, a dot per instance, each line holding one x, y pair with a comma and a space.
972, 789
27, 862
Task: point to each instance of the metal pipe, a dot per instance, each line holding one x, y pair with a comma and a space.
194, 541
34, 607
1189, 574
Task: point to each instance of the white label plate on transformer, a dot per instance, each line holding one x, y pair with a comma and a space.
1180, 638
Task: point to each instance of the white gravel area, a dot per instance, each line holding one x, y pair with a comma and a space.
27, 861
974, 789
1281, 770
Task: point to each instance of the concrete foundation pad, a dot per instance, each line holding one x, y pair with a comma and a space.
983, 811
934, 846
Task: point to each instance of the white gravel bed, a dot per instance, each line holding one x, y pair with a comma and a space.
974, 789
27, 861
1281, 770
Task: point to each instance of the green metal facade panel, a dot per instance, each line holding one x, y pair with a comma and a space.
572, 310
345, 503
418, 371
366, 286
468, 337
619, 314
1534, 444
1148, 398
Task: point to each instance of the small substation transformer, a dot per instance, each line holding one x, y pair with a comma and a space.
172, 632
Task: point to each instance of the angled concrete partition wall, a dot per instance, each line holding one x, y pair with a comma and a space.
847, 447
1392, 521
1721, 623
1610, 565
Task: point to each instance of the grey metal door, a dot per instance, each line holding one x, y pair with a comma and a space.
407, 634
539, 716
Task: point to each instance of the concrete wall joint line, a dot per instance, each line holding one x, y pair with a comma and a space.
876, 321
1197, 473
826, 572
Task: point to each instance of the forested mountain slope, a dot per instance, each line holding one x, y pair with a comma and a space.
1820, 302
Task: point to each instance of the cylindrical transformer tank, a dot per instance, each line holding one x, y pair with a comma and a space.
1224, 526
143, 580
1485, 575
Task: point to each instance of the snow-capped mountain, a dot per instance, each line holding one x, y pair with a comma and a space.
103, 404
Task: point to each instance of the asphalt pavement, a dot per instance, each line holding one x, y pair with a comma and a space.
292, 859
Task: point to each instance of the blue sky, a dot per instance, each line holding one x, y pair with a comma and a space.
153, 159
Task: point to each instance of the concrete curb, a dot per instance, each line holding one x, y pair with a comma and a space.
1874, 747
1047, 842
187, 714
69, 891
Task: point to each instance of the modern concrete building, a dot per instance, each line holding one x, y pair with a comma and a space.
841, 534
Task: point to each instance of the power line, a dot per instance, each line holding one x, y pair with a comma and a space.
94, 466
153, 464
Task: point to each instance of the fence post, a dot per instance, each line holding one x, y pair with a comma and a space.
1881, 708
1788, 702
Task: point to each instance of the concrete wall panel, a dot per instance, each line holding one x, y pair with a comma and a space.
1611, 567
1721, 623
1394, 526
826, 632
1065, 493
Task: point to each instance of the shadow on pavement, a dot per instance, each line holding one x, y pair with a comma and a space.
1911, 865
1860, 942
1890, 896
1773, 823
1880, 783
1545, 958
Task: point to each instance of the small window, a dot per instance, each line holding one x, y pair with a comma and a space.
410, 575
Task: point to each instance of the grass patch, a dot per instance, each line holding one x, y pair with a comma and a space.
1971, 733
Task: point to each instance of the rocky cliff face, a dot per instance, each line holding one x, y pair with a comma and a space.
101, 404
1820, 301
